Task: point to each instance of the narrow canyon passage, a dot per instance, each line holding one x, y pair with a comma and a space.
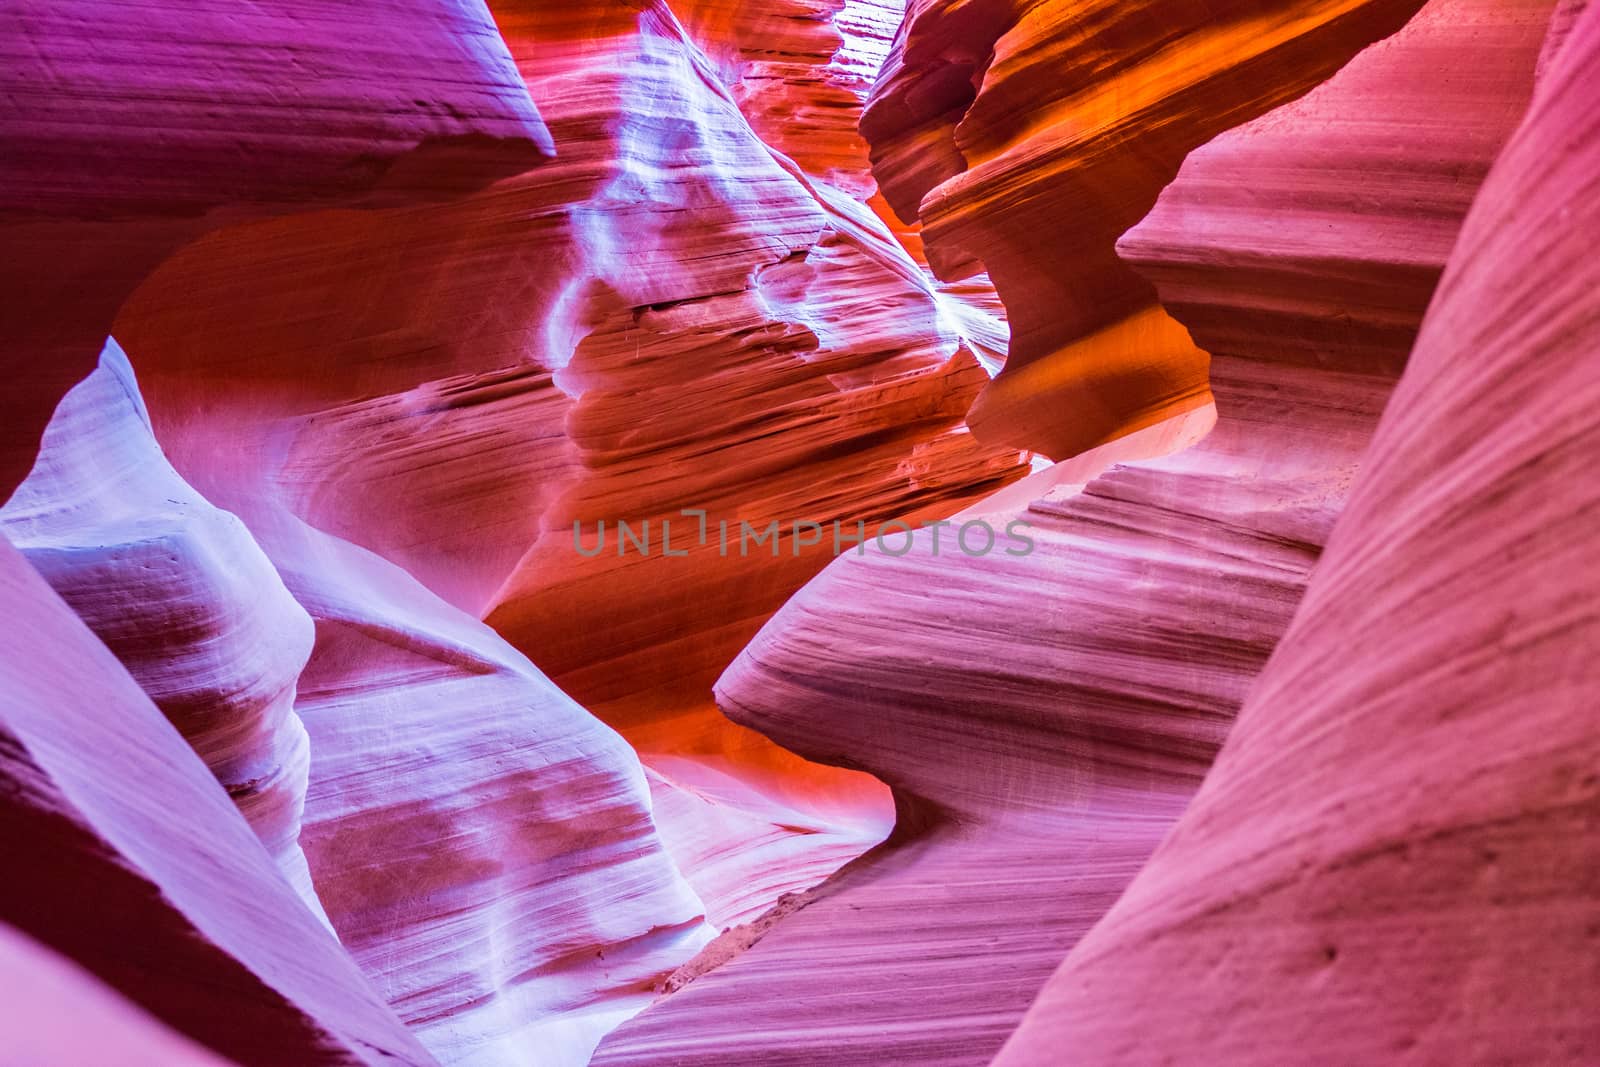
1054, 757
490, 495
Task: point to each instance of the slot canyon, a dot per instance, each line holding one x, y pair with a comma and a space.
800, 532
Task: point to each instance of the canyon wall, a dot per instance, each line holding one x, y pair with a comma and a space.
187, 917
489, 582
410, 406
128, 131
1026, 138
179, 592
1037, 765
666, 317
1409, 800
132, 128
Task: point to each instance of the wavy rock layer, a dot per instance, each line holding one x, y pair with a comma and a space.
666, 317
1410, 800
1318, 233
799, 71
695, 310
1027, 138
1036, 772
1033, 776
135, 127
827, 386
179, 592
185, 915
483, 846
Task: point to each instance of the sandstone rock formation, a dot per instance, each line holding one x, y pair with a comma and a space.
1409, 801
483, 846
1055, 760
1052, 763
179, 592
56, 1012
401, 348
132, 128
666, 317
1027, 137
799, 71
187, 916
452, 114
437, 651
1317, 234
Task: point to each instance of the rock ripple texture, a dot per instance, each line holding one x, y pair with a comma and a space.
1395, 855
1036, 768
180, 592
131, 129
128, 859
667, 316
1027, 137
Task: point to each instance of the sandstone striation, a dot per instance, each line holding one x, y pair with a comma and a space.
179, 592
1408, 801
1026, 138
1318, 233
799, 71
482, 845
668, 316
1035, 772
568, 584
126, 857
132, 128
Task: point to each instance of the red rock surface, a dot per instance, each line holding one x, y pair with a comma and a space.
1395, 855
187, 917
829, 386
180, 592
1317, 233
548, 323
487, 851
1035, 771
483, 846
132, 128
799, 71
1027, 137
485, 809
